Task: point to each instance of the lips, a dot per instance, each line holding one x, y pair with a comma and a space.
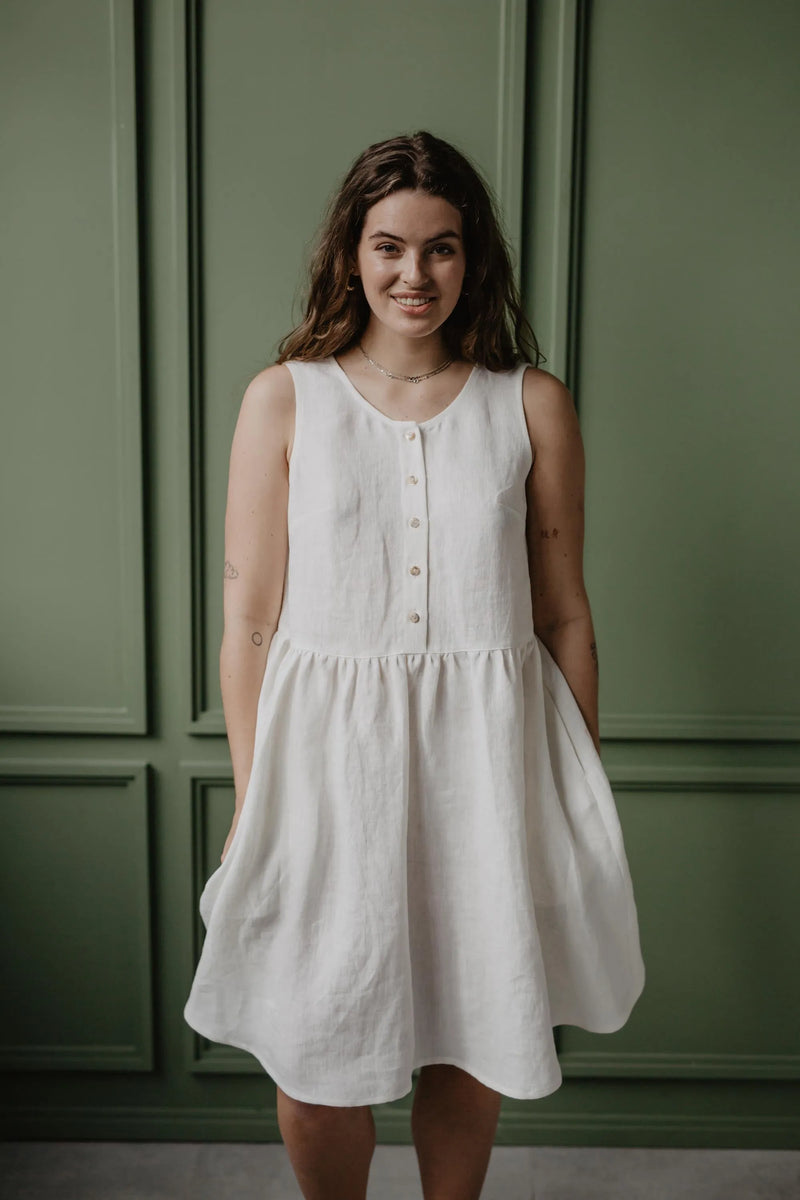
414, 303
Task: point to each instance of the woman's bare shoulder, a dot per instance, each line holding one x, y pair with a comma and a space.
272, 389
549, 408
267, 411
540, 387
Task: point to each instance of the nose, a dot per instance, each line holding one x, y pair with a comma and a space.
413, 270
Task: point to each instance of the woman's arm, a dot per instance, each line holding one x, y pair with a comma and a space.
562, 617
256, 549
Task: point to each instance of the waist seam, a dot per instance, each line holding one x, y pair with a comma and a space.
323, 653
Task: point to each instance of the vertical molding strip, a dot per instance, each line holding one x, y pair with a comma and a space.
128, 345
578, 55
511, 121
563, 201
187, 225
551, 204
194, 349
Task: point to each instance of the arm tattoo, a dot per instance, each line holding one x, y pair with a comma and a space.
256, 638
593, 650
546, 533
230, 571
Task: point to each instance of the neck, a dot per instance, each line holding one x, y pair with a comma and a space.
404, 355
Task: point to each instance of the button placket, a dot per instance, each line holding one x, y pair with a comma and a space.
415, 542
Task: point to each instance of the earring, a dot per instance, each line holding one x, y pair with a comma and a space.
351, 287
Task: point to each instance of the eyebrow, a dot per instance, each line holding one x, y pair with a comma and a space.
448, 233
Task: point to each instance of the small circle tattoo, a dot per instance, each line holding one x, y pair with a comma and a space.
257, 638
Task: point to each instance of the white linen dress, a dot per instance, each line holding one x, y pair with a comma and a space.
428, 865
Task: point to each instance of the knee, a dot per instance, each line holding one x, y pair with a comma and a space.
300, 1108
309, 1113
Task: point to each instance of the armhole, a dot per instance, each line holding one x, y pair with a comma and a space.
298, 423
520, 408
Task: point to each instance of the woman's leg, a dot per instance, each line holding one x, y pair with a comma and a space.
330, 1148
453, 1123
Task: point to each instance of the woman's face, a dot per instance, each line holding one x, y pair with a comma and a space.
411, 248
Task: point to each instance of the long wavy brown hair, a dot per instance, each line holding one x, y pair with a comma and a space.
487, 326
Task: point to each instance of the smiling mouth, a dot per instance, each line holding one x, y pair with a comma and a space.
415, 302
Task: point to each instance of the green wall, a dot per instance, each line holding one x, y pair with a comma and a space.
167, 165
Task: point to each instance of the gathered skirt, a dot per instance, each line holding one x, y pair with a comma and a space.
428, 867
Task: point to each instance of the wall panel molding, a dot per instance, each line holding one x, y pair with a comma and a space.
67, 937
753, 727
687, 429
202, 718
58, 190
521, 1124
700, 899
681, 1066
198, 780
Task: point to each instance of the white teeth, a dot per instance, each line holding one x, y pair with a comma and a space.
415, 303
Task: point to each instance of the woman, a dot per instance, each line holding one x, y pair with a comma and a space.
425, 868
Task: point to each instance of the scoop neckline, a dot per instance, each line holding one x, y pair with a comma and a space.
396, 420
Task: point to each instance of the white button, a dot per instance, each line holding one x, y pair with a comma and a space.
413, 479
413, 616
410, 434
414, 522
413, 570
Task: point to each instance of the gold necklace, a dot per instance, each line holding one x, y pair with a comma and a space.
405, 378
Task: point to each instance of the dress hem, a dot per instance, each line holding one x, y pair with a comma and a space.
296, 1094
546, 1089
511, 1093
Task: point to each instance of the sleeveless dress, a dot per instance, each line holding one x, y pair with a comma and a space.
428, 864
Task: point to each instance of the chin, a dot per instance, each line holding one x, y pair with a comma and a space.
418, 327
